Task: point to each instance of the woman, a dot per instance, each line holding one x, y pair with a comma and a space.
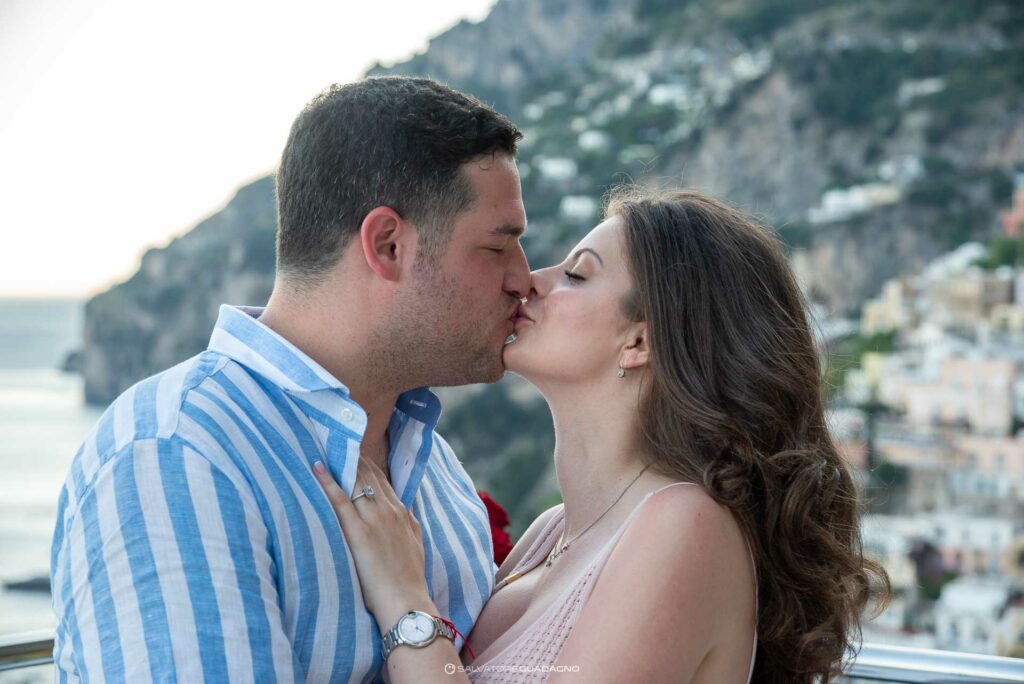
709, 531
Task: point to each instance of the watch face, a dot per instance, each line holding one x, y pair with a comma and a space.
416, 628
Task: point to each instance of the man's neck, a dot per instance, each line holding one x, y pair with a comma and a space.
376, 444
377, 453
335, 338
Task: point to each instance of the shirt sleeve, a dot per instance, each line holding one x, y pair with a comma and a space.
164, 574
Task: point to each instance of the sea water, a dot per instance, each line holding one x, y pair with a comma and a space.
43, 419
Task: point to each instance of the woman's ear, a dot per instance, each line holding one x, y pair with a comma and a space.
385, 240
636, 353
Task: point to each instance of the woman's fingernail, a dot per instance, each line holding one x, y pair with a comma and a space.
318, 466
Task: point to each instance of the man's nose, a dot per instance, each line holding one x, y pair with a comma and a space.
517, 280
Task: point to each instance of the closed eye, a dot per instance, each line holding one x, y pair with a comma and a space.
574, 277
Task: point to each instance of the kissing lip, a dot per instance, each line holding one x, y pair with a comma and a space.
521, 313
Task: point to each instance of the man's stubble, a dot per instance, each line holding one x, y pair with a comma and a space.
433, 340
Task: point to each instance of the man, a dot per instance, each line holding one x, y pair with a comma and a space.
192, 541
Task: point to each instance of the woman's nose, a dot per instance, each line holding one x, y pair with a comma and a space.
539, 283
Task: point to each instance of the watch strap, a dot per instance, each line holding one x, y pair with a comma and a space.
392, 639
445, 628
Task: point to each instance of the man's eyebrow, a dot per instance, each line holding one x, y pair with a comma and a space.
510, 229
579, 253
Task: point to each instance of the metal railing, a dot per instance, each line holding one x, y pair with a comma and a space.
878, 663
27, 649
874, 663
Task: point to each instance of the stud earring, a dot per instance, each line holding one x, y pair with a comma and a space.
622, 373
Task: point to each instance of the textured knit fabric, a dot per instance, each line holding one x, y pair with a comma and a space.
526, 658
193, 543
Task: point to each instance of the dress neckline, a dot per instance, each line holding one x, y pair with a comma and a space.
539, 551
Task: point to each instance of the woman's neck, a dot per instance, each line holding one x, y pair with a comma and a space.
596, 456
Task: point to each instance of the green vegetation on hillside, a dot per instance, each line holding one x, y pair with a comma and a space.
1003, 252
847, 353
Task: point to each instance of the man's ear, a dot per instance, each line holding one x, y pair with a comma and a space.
388, 242
636, 353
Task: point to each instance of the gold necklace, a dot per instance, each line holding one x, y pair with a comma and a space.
562, 549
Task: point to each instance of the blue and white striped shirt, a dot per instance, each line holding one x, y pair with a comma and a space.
193, 544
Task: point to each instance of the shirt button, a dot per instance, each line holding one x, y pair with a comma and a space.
346, 414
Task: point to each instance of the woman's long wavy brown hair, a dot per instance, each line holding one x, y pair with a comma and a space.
735, 401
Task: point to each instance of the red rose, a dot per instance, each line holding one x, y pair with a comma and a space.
499, 521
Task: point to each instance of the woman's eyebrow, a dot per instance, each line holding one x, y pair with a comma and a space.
579, 253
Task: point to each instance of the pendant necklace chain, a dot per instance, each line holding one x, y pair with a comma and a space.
562, 549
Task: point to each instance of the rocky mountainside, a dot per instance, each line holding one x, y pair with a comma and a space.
165, 312
517, 44
872, 134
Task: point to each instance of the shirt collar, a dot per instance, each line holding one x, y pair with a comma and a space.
240, 336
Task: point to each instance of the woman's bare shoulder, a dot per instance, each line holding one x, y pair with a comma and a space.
682, 540
690, 517
683, 564
687, 541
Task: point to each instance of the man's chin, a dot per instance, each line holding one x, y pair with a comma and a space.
484, 369
495, 372
489, 365
494, 378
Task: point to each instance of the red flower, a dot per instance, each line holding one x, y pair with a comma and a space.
499, 521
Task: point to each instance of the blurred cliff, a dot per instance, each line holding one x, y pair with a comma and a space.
873, 135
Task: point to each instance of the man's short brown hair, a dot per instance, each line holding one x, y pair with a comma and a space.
388, 141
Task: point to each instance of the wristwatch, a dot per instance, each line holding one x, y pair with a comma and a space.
416, 629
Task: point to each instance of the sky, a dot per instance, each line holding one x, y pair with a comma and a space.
125, 123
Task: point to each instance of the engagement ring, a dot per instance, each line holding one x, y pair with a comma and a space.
366, 491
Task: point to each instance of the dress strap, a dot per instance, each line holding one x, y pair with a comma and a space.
537, 552
547, 539
610, 545
757, 609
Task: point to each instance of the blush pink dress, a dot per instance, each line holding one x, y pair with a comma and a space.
524, 659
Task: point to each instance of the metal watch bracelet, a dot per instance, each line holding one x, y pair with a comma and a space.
393, 638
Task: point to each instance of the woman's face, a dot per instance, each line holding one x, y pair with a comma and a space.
574, 330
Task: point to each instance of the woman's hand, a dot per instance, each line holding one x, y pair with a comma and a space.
386, 544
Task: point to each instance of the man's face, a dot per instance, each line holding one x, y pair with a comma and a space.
463, 305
